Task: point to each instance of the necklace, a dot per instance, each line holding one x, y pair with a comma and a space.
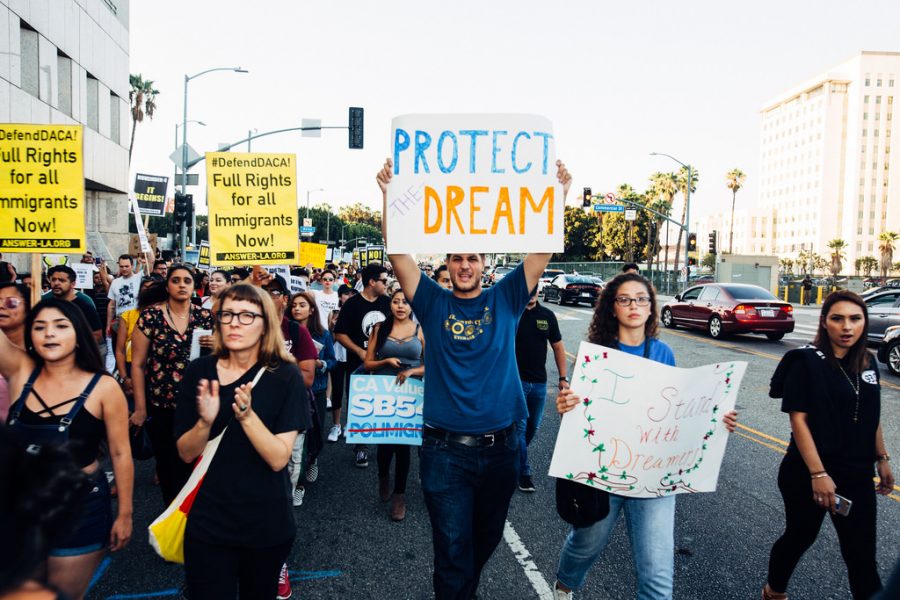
169, 310
855, 391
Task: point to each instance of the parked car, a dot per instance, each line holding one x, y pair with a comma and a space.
573, 288
701, 279
499, 273
546, 276
724, 308
486, 275
884, 311
889, 349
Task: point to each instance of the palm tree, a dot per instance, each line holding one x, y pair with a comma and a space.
665, 186
837, 247
804, 261
682, 181
886, 247
734, 180
142, 97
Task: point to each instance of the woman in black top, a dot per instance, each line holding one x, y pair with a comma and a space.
241, 525
65, 398
833, 396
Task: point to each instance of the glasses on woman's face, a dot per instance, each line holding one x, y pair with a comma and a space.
12, 302
327, 280
626, 301
244, 318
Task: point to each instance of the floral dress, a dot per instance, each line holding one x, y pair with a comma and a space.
169, 352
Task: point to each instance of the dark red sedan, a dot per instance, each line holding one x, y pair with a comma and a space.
723, 308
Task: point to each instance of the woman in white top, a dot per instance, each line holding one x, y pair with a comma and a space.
327, 298
218, 281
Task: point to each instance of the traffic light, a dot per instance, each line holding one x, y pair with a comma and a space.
181, 207
586, 198
692, 261
189, 215
692, 242
356, 128
713, 246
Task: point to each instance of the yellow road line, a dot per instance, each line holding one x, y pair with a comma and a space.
761, 443
762, 435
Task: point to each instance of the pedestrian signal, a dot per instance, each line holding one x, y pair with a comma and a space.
713, 246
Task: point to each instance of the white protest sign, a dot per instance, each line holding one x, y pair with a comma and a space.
84, 275
285, 272
474, 183
644, 429
296, 284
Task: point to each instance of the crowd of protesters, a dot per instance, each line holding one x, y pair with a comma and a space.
242, 356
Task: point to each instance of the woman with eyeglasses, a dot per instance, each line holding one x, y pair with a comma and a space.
218, 281
160, 352
65, 399
626, 319
242, 525
15, 300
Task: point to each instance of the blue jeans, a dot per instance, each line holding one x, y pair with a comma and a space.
651, 530
535, 396
467, 493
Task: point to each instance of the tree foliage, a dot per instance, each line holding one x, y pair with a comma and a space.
142, 97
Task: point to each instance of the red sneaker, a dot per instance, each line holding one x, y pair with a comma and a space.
284, 584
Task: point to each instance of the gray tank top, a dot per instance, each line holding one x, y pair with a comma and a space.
408, 350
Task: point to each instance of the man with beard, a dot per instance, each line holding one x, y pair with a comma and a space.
62, 287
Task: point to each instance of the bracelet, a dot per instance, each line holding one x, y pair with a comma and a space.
564, 378
883, 458
819, 475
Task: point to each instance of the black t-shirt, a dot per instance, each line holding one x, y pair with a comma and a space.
536, 327
840, 441
101, 301
357, 318
242, 501
90, 311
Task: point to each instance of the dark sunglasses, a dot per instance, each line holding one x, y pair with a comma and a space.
12, 302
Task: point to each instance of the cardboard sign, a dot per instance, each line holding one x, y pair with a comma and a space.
644, 429
41, 188
253, 208
312, 254
150, 191
383, 411
134, 244
474, 183
139, 224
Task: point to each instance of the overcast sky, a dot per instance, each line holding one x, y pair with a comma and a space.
617, 79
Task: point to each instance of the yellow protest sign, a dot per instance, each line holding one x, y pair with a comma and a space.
41, 188
252, 208
313, 254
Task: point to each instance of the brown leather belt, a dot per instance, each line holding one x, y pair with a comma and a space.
481, 440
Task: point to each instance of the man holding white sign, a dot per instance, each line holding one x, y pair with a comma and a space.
446, 170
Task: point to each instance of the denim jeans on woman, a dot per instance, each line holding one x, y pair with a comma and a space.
535, 396
467, 493
651, 531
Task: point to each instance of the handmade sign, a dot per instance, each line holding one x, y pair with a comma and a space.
644, 429
312, 254
474, 183
385, 412
252, 208
41, 188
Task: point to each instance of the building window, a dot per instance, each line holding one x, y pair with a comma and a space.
28, 39
865, 116
868, 82
866, 99
878, 83
877, 99
93, 103
890, 83
114, 118
64, 83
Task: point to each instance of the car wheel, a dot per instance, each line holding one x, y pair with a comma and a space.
715, 328
893, 358
774, 337
667, 319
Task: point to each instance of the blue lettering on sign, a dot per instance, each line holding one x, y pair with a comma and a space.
423, 140
473, 133
546, 137
440, 149
401, 143
495, 150
515, 150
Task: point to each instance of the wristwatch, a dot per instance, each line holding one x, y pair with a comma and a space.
564, 378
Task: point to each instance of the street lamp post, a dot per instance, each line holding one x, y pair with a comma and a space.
687, 215
184, 121
308, 192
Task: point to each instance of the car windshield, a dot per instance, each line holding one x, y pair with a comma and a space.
748, 292
503, 270
551, 273
582, 280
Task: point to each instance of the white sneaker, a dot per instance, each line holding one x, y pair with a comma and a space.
335, 433
558, 594
298, 496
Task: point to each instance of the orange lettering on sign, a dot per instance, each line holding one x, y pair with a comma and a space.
432, 195
455, 197
504, 209
479, 189
525, 196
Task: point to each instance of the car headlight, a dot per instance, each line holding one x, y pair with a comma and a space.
891, 333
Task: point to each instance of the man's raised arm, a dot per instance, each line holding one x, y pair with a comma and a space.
535, 264
405, 268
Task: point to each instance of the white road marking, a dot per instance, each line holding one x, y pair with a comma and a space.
565, 317
540, 585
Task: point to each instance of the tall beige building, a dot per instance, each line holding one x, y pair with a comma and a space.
828, 154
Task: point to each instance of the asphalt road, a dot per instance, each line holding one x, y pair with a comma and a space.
347, 547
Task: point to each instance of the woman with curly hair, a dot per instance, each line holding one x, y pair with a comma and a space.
626, 318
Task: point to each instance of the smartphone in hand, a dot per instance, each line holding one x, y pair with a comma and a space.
842, 505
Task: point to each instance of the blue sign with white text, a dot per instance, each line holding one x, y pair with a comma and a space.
609, 208
383, 411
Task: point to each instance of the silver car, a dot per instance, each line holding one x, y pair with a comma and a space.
884, 311
889, 350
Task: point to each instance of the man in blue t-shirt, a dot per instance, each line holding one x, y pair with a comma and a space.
469, 460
